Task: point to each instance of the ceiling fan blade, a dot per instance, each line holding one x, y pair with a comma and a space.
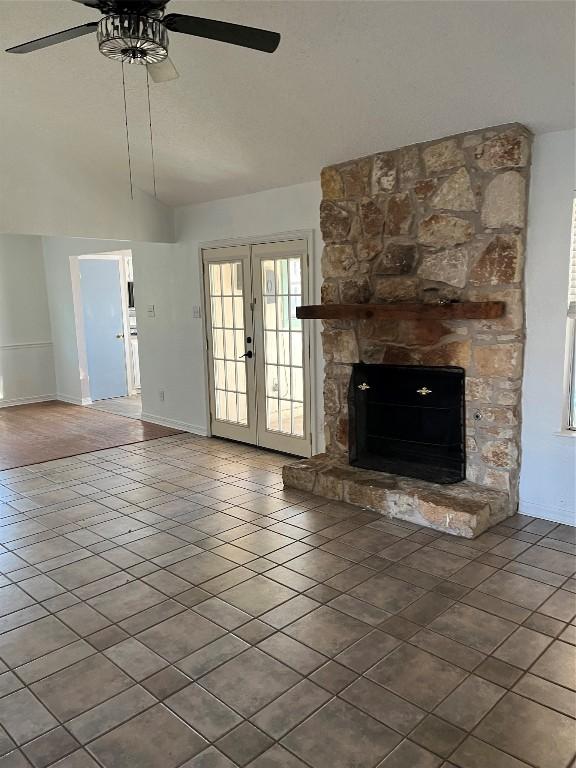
248, 37
163, 71
57, 37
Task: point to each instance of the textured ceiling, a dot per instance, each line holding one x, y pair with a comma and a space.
349, 78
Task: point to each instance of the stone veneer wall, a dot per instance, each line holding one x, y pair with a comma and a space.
434, 221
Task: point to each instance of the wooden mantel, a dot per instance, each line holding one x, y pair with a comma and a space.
457, 310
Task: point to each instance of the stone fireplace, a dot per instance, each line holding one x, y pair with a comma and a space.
437, 223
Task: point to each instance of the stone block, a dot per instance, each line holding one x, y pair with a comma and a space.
395, 288
332, 184
507, 150
338, 261
499, 262
409, 167
498, 360
399, 214
335, 222
500, 453
395, 354
356, 178
479, 389
355, 291
505, 201
455, 193
421, 333
423, 189
340, 346
383, 173
451, 353
378, 331
499, 416
329, 292
443, 156
331, 397
397, 259
371, 218
440, 230
367, 250
447, 266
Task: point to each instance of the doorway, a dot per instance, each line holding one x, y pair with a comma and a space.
107, 333
258, 350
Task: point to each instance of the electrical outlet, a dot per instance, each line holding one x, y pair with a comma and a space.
196, 312
151, 311
161, 395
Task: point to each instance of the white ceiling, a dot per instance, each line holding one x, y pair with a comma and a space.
349, 78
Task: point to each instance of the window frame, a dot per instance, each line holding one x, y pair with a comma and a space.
570, 388
569, 405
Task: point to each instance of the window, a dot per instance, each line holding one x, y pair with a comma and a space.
571, 357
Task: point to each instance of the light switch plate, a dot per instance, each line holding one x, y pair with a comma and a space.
196, 312
151, 310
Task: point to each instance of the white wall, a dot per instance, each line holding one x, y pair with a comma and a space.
81, 201
174, 356
547, 481
26, 366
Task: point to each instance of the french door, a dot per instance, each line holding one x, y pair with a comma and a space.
258, 351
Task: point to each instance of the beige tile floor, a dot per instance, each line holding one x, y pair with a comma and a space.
168, 605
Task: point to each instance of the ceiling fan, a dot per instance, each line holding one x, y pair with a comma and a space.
136, 32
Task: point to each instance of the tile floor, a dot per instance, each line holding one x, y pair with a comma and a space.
168, 605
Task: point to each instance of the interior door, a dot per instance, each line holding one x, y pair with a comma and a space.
103, 327
258, 351
282, 347
228, 291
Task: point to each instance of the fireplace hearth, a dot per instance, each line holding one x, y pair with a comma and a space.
408, 420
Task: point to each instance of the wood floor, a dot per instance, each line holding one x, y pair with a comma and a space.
30, 434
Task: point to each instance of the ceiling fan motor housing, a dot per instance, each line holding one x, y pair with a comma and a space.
133, 38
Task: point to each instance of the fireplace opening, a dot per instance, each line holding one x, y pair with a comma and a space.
408, 420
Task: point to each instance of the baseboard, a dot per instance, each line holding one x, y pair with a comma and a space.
26, 400
554, 514
175, 424
74, 400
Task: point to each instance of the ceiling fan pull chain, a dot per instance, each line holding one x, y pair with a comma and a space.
151, 137
127, 132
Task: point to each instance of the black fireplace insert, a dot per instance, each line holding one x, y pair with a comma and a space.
408, 420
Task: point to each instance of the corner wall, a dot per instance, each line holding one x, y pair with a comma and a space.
26, 364
548, 474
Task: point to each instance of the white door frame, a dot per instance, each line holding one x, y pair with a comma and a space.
250, 240
120, 257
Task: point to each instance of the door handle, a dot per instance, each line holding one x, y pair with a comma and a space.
119, 335
247, 354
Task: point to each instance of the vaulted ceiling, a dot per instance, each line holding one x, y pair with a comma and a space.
349, 78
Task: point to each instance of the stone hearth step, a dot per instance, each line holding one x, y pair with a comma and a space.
463, 509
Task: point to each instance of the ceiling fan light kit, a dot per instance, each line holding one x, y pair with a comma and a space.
133, 39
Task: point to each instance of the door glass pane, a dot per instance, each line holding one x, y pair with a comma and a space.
228, 333
283, 345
